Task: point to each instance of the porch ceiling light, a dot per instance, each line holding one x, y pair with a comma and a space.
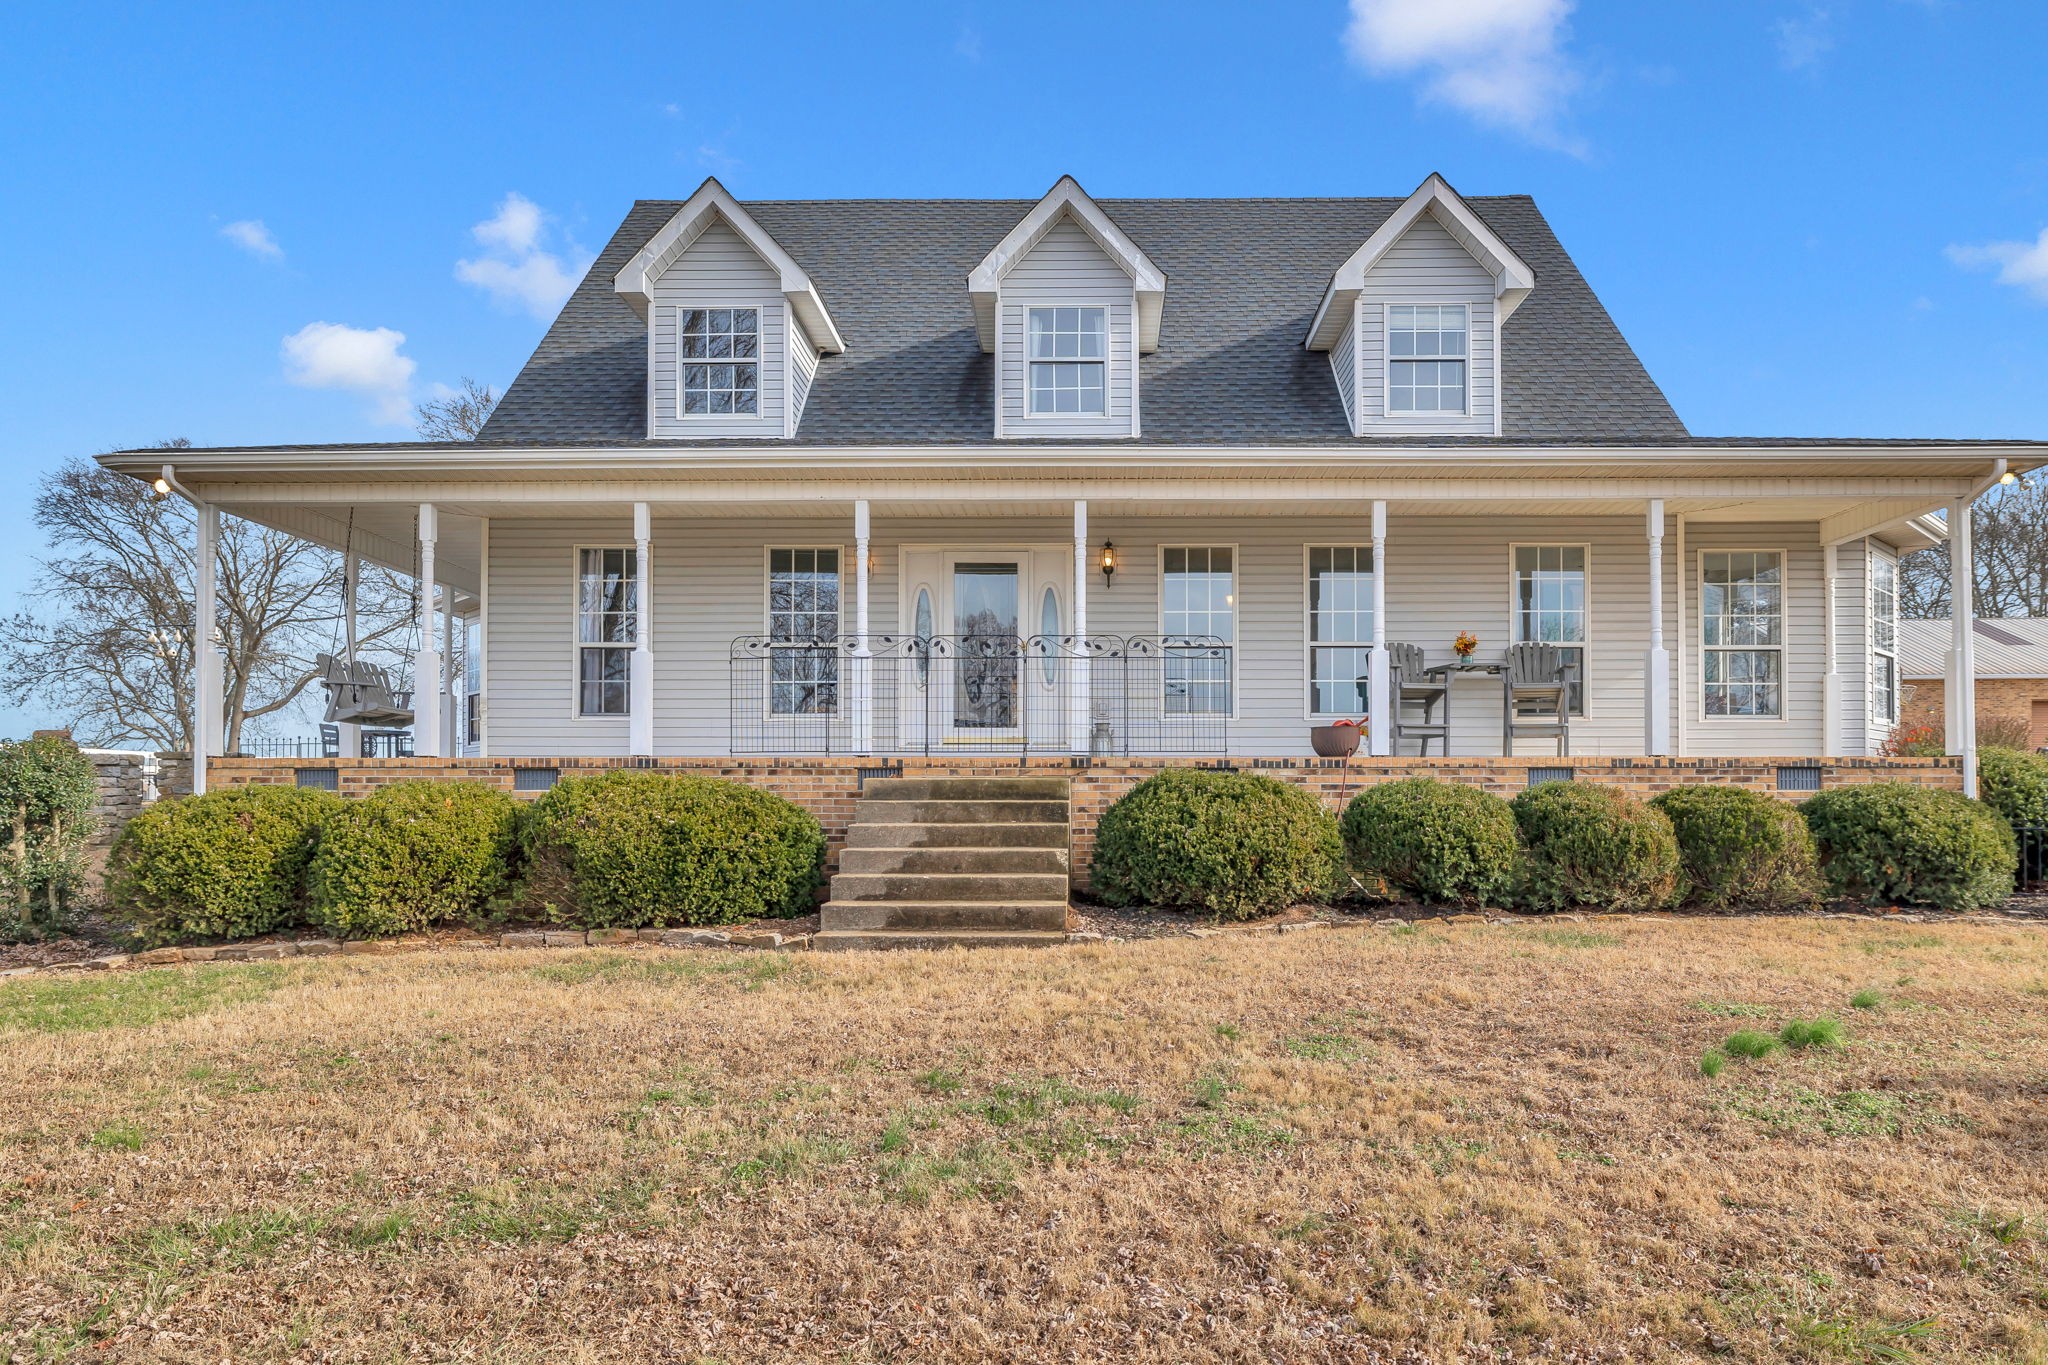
2008, 477
162, 486
1108, 562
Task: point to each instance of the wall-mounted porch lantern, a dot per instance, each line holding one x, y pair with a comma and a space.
1108, 562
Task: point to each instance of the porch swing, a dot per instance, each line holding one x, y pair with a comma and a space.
358, 691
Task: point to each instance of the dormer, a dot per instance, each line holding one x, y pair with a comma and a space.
1412, 320
734, 325
1066, 303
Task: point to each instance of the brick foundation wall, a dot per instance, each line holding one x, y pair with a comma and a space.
829, 787
2006, 702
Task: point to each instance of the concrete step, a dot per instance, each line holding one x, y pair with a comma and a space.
943, 916
967, 859
920, 812
960, 886
975, 834
857, 939
965, 789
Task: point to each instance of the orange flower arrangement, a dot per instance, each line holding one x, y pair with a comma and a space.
1465, 644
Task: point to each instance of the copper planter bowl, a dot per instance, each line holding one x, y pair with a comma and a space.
1333, 741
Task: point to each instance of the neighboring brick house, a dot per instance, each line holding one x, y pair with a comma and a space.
2012, 674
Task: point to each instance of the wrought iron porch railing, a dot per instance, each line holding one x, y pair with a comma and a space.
1104, 695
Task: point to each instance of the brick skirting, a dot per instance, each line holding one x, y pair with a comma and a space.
828, 787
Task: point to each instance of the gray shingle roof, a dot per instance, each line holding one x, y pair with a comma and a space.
1244, 277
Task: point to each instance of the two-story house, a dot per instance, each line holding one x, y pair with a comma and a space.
820, 487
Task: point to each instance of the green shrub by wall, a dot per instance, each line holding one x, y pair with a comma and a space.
1740, 849
631, 849
1893, 841
1435, 841
1585, 844
412, 854
2014, 783
1235, 845
228, 864
47, 791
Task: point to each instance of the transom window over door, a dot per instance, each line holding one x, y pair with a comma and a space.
1339, 628
720, 350
803, 632
1198, 597
1068, 350
1550, 605
607, 608
1426, 354
1884, 637
1742, 633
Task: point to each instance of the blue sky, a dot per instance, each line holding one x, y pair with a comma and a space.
249, 224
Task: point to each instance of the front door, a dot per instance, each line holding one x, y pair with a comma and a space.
986, 679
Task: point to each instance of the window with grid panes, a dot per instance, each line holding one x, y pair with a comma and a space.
1198, 597
719, 350
1069, 355
803, 631
1742, 633
1550, 605
1426, 354
607, 592
1339, 628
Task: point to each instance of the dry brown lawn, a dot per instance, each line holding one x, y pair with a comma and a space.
1480, 1142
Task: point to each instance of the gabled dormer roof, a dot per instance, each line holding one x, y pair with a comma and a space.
711, 203
1512, 277
1067, 200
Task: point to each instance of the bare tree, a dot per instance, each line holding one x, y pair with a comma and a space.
458, 417
2009, 540
105, 635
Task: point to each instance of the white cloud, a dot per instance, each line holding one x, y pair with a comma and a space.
2023, 265
1500, 61
1804, 40
331, 355
254, 238
519, 266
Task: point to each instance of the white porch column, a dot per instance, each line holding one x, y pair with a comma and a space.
863, 666
351, 734
1079, 692
1379, 699
640, 677
1960, 706
206, 670
1831, 653
1657, 664
426, 664
447, 695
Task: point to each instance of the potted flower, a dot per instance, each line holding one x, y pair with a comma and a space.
1464, 644
1339, 740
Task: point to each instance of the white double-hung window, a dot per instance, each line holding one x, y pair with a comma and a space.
720, 354
803, 632
1742, 633
1068, 353
1884, 637
1339, 629
1198, 616
1427, 349
607, 618
1550, 606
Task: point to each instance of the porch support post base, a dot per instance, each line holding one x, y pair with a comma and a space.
1657, 702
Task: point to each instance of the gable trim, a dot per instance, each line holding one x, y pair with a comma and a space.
1067, 200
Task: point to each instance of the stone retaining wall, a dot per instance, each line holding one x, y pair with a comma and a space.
829, 787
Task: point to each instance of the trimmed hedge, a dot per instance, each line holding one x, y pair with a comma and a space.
1435, 841
1740, 849
1897, 842
412, 854
1234, 845
639, 849
228, 864
2014, 783
1585, 844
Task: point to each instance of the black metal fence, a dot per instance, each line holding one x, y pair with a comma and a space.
2033, 855
327, 744
1105, 695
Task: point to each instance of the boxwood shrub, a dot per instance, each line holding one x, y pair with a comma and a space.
1897, 842
631, 849
1435, 841
1585, 844
228, 864
412, 854
1233, 845
1740, 849
2014, 783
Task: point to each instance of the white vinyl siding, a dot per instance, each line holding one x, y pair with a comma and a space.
803, 368
1427, 267
1065, 269
1344, 367
718, 271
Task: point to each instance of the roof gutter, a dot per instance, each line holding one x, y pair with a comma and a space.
167, 482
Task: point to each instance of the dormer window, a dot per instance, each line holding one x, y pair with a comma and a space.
721, 349
1426, 347
1069, 361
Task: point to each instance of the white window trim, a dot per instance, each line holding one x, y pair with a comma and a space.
1873, 553
1514, 611
1699, 639
1236, 612
768, 616
576, 642
1108, 363
1308, 641
760, 412
1387, 359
